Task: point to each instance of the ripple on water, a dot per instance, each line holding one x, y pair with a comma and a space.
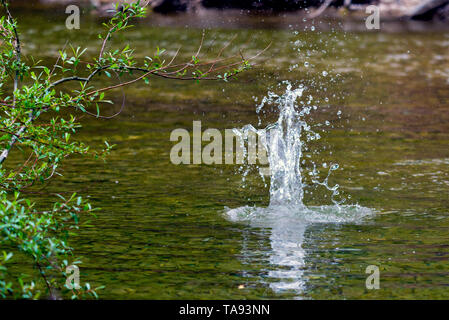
266, 217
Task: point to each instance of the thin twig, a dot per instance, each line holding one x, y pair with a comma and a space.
5, 152
321, 9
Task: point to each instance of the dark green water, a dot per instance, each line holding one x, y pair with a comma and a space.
162, 234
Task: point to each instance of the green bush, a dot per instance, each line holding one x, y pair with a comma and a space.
27, 91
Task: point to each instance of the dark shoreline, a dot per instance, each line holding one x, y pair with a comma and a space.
244, 19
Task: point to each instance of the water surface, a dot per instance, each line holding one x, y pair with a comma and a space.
163, 233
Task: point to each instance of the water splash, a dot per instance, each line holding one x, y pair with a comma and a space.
287, 216
284, 149
285, 142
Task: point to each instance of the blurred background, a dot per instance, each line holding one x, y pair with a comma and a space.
397, 9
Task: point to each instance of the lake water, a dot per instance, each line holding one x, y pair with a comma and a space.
163, 232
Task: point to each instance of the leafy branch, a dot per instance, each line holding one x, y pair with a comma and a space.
57, 91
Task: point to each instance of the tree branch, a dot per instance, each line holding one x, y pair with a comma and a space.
5, 152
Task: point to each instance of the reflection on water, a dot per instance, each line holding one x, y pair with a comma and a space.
286, 256
287, 225
286, 243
